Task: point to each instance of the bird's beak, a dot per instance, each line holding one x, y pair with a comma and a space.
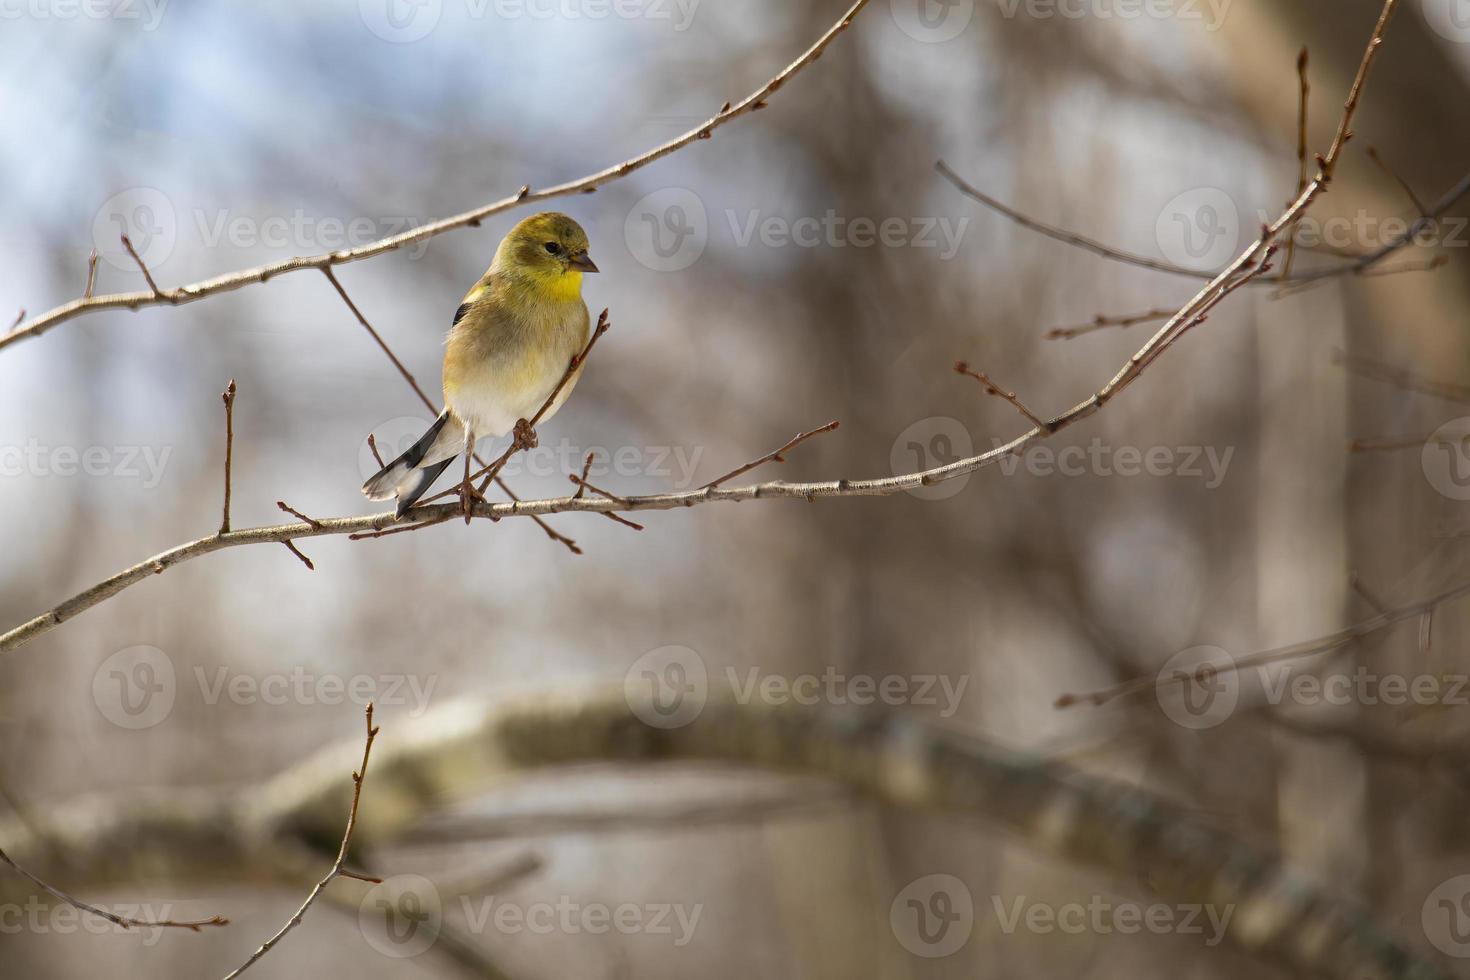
582, 262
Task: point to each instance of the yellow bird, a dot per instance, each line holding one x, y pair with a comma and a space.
511, 342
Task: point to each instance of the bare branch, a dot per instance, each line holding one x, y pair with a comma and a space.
147, 276
773, 457
586, 468
1062, 234
1305, 92
1247, 267
291, 546
229, 399
991, 388
585, 185
1328, 164
296, 513
605, 494
429, 514
1368, 367
124, 921
1393, 176
889, 756
1102, 322
373, 448
91, 275
551, 532
382, 345
1355, 582
404, 529
1295, 651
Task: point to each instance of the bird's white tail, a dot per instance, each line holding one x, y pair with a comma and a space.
412, 473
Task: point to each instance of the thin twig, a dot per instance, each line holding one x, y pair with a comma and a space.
991, 388
297, 514
605, 494
1328, 164
1398, 268
1355, 582
1358, 267
620, 519
388, 532
147, 276
1295, 651
91, 274
1102, 322
18, 318
1399, 377
229, 399
585, 185
582, 484
123, 921
373, 448
382, 345
551, 532
773, 457
291, 546
1403, 184
1062, 234
337, 866
1367, 264
1305, 88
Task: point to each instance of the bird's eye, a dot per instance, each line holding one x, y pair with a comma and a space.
553, 248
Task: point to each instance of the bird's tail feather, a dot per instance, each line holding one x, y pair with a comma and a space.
416, 483
411, 474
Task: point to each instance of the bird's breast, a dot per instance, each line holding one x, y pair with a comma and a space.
499, 368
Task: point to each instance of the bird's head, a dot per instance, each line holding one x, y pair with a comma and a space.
549, 249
